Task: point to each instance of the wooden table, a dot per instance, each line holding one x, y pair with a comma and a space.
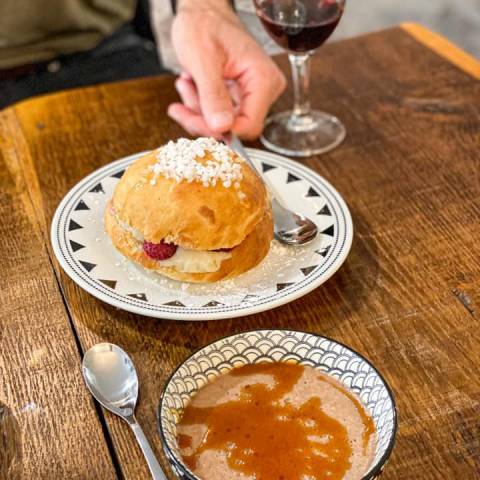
408, 297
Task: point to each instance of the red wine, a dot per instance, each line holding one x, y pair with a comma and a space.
299, 25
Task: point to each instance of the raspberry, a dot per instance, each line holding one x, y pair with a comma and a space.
159, 251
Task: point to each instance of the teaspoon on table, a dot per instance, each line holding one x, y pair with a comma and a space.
290, 227
111, 378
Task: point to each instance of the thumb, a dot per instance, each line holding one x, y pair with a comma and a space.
215, 100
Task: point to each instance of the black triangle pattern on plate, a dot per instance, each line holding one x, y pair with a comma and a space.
138, 296
324, 251
73, 225
329, 231
266, 167
81, 205
88, 266
174, 303
249, 298
109, 283
292, 178
312, 193
213, 303
118, 174
98, 188
281, 286
308, 270
324, 211
76, 246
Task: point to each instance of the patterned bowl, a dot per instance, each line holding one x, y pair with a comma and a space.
331, 357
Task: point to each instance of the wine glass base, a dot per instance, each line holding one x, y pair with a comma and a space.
316, 133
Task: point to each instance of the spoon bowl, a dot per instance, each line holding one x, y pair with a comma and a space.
290, 228
112, 379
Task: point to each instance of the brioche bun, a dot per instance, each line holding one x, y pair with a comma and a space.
189, 215
244, 256
181, 202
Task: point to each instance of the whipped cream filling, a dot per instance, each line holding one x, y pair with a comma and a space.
195, 261
184, 260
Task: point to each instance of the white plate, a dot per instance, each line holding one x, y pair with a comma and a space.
87, 256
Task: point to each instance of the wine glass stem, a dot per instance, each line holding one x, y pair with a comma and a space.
301, 82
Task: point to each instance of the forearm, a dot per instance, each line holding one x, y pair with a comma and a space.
208, 12
224, 6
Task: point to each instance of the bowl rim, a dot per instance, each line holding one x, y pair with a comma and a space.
180, 466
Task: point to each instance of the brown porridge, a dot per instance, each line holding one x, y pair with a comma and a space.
276, 421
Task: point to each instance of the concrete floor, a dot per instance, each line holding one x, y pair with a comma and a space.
458, 20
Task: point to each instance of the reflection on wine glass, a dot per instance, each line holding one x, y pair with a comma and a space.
301, 26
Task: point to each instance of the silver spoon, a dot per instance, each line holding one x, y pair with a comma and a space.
289, 227
111, 378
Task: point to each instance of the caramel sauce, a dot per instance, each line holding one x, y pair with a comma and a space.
184, 441
267, 438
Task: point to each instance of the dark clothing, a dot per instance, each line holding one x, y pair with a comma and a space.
121, 56
33, 31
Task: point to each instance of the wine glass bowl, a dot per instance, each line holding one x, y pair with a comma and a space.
301, 26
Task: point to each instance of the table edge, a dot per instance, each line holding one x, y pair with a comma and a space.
444, 48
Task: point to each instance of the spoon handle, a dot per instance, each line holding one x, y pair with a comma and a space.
153, 465
237, 146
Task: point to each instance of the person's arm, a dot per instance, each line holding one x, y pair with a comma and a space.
220, 59
173, 4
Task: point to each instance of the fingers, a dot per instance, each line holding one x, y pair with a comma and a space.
259, 92
250, 98
215, 101
187, 90
192, 122
235, 94
188, 93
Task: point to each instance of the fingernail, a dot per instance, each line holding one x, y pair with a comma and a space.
221, 120
179, 87
172, 114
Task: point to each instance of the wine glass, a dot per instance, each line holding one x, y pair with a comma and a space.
301, 26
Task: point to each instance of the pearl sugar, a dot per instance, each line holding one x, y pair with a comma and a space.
180, 160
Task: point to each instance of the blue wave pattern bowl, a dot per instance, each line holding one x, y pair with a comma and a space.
324, 354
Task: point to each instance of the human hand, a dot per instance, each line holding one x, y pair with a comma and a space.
229, 82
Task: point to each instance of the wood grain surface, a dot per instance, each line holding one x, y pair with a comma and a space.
444, 48
46, 417
408, 296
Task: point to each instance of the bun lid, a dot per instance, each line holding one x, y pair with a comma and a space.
198, 194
